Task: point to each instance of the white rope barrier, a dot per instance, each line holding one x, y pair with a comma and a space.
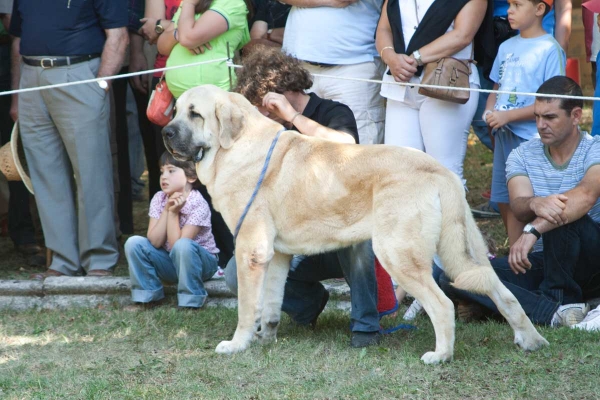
230, 64
109, 78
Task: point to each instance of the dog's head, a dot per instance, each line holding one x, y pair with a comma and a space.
206, 119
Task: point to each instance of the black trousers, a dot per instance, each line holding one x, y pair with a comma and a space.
20, 222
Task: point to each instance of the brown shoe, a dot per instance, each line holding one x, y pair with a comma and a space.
40, 276
467, 311
99, 272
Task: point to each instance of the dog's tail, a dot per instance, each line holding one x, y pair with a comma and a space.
461, 247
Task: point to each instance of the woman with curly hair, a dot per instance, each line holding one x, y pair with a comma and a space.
276, 83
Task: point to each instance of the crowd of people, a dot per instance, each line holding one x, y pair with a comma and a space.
545, 170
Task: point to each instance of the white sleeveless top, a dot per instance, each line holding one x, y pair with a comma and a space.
409, 26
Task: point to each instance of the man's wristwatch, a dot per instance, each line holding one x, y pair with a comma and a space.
417, 56
531, 229
159, 28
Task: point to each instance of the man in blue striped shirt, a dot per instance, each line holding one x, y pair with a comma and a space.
554, 189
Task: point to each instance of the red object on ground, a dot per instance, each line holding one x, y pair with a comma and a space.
386, 298
573, 69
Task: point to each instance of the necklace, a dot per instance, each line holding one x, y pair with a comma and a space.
417, 14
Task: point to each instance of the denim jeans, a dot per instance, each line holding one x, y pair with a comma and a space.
304, 292
479, 126
566, 272
188, 264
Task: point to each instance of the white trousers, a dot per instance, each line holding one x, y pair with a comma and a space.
363, 98
439, 128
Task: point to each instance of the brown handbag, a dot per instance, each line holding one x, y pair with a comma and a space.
449, 72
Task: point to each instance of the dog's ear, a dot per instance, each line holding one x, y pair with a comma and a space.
232, 120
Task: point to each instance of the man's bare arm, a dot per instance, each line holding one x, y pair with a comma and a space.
114, 50
520, 191
15, 75
137, 62
320, 3
579, 200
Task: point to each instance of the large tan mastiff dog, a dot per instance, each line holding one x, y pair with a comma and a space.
318, 196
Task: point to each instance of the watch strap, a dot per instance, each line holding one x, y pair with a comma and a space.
535, 232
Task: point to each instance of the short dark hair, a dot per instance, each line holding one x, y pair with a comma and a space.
268, 69
188, 167
562, 85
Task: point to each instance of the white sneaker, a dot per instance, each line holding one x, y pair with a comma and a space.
569, 314
591, 322
415, 309
220, 274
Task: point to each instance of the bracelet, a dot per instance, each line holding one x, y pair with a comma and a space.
294, 117
175, 35
485, 114
384, 49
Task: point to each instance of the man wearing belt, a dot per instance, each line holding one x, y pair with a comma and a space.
337, 37
65, 131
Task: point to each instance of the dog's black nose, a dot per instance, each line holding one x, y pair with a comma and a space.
168, 132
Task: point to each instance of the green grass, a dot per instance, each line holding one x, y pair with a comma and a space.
108, 353
165, 354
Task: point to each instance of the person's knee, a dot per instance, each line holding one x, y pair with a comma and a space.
182, 246
135, 243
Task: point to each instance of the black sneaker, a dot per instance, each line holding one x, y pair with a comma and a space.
485, 211
313, 322
365, 339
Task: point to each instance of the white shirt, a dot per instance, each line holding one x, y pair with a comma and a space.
339, 36
411, 16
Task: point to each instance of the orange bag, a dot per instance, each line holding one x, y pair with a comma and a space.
160, 106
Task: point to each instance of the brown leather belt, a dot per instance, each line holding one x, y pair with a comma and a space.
52, 61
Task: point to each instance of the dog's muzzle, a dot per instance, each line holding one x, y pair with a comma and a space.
181, 151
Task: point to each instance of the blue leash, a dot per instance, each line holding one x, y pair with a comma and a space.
258, 184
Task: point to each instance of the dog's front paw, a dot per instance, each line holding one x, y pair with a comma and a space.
530, 342
434, 357
230, 347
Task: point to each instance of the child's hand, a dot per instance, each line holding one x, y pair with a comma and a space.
497, 119
176, 202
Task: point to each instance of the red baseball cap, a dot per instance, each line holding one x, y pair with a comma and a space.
549, 3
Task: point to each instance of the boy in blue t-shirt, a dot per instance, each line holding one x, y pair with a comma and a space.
523, 63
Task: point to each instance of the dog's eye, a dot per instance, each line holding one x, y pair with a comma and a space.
194, 114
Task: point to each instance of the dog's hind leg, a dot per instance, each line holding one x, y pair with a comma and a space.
252, 262
413, 274
273, 296
483, 280
419, 282
463, 253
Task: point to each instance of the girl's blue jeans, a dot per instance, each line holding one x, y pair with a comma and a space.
187, 264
